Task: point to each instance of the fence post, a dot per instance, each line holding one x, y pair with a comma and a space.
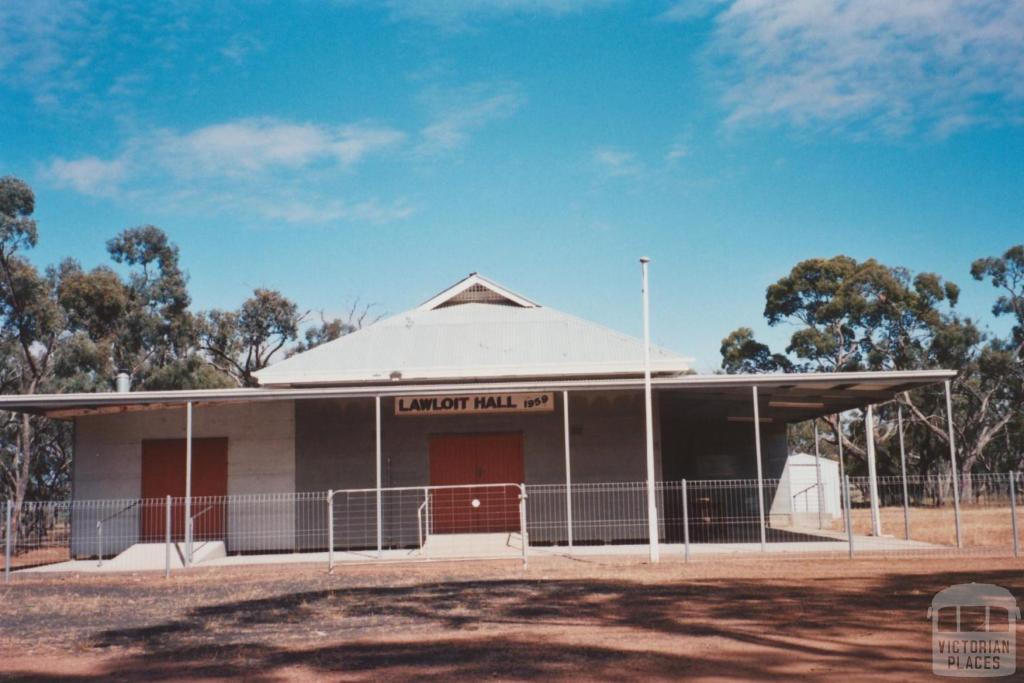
330, 530
686, 525
7, 543
846, 505
167, 539
99, 542
1013, 512
522, 522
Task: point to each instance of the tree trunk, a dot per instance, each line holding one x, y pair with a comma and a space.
23, 471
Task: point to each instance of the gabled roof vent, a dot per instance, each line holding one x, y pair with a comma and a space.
476, 289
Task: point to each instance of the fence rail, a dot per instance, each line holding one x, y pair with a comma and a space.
695, 517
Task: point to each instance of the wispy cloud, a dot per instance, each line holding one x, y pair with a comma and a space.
873, 66
73, 55
261, 166
685, 10
617, 162
676, 151
458, 113
458, 13
88, 175
253, 145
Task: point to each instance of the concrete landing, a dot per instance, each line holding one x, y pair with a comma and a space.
141, 557
473, 545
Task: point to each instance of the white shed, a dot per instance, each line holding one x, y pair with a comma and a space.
798, 488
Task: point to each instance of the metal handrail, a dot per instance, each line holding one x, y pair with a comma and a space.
806, 498
99, 529
419, 519
191, 529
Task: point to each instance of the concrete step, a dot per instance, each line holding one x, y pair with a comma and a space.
473, 545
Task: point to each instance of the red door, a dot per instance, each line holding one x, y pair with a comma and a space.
474, 460
163, 474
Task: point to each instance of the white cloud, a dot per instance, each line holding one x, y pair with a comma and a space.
685, 10
271, 169
677, 151
318, 212
888, 66
88, 175
459, 113
252, 145
455, 13
616, 162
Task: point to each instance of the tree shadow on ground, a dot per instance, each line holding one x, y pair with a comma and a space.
597, 629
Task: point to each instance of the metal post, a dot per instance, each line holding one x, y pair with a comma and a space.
568, 470
760, 471
330, 530
686, 525
846, 507
426, 512
380, 521
1013, 512
903, 471
167, 539
842, 462
869, 431
817, 476
188, 484
99, 543
652, 509
522, 523
952, 462
8, 541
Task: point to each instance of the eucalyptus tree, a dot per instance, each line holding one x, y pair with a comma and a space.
241, 342
852, 315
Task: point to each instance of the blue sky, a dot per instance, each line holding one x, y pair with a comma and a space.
382, 150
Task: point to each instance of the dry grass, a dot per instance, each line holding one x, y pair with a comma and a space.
604, 619
981, 527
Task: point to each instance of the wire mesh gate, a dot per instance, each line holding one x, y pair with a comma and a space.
935, 514
474, 520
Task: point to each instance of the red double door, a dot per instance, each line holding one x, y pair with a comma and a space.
469, 462
163, 474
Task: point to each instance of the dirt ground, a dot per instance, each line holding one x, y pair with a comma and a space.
981, 527
600, 619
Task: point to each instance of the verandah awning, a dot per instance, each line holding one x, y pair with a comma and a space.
783, 397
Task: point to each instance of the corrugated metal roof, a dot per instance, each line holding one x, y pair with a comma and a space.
472, 341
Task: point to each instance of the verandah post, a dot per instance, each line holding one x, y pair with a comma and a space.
869, 431
330, 530
380, 522
952, 462
846, 507
817, 477
760, 472
568, 470
1013, 514
188, 484
903, 471
167, 539
8, 539
686, 525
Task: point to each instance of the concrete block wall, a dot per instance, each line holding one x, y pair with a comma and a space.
335, 448
261, 460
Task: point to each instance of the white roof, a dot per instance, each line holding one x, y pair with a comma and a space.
474, 330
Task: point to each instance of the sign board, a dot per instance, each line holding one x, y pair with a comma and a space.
475, 404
